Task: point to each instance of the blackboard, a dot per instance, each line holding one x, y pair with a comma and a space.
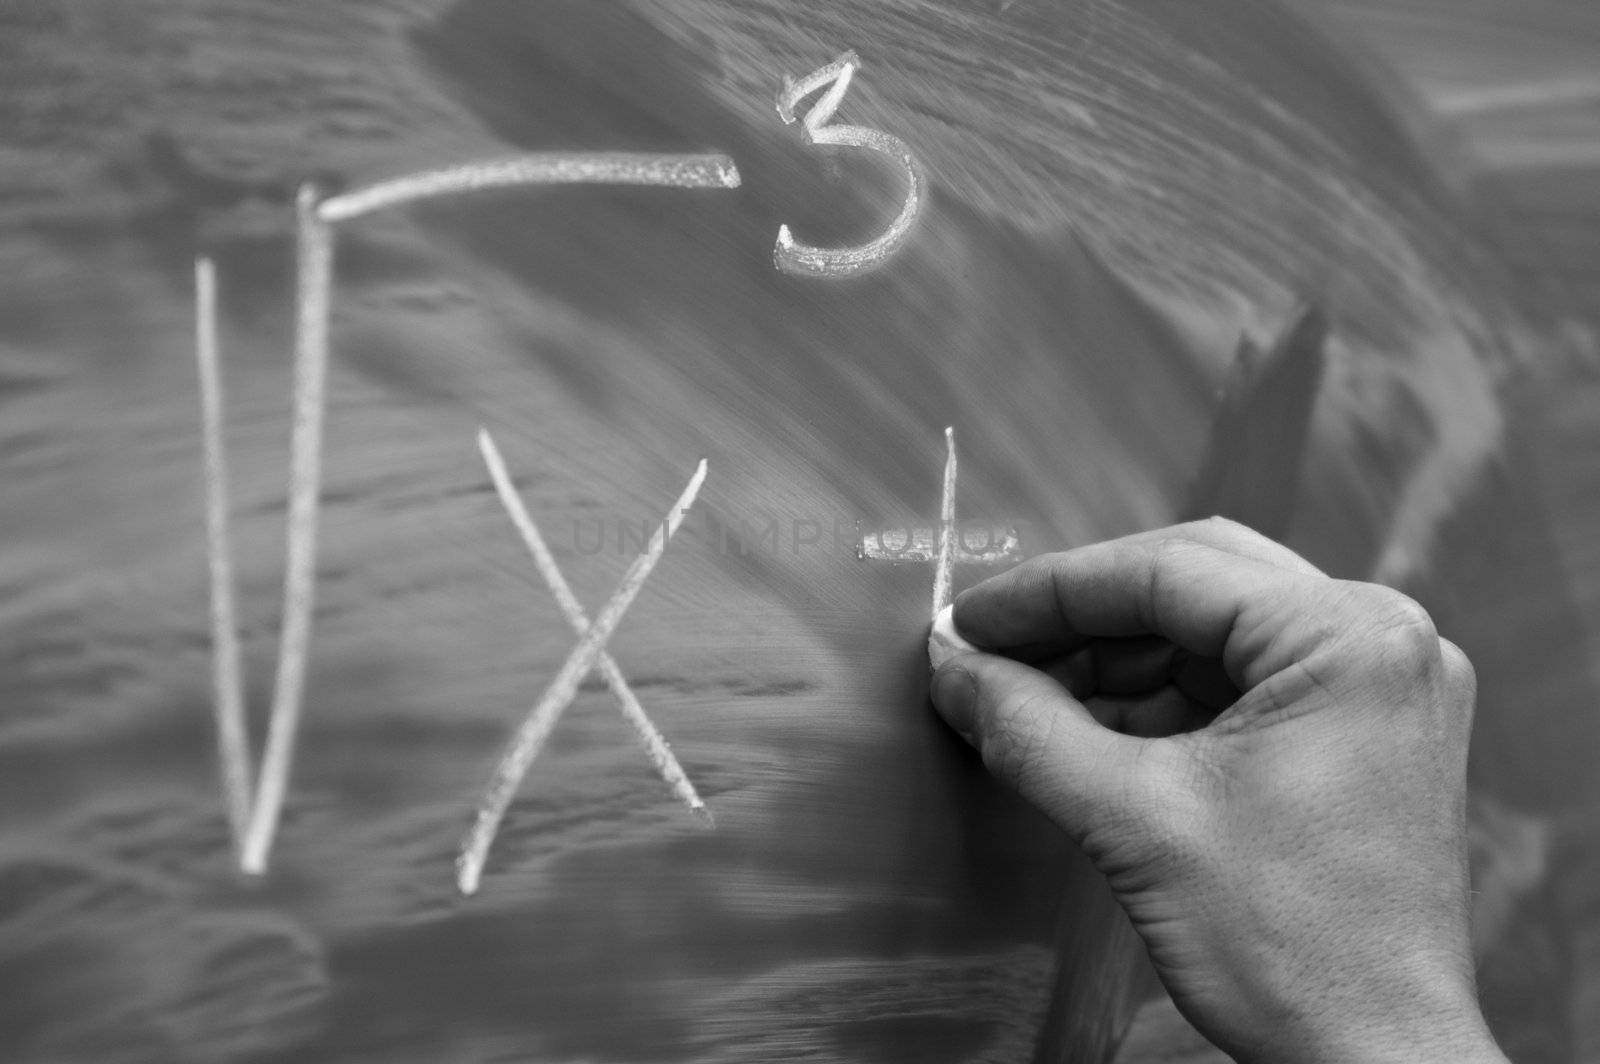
1169, 259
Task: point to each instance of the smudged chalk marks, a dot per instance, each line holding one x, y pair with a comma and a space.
790, 255
655, 744
530, 737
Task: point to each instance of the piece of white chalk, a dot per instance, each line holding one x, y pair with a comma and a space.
944, 642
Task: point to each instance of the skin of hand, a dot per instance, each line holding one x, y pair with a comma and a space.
1267, 764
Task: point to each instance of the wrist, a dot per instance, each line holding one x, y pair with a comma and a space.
1441, 1034
1468, 1043
1386, 1013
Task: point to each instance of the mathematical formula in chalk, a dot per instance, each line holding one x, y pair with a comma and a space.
255, 800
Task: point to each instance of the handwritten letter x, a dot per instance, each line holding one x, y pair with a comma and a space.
589, 653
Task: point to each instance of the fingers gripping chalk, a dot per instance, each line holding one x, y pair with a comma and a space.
944, 642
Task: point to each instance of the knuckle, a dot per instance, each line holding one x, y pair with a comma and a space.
1230, 528
1399, 650
1165, 564
1458, 668
1461, 681
1405, 621
1398, 629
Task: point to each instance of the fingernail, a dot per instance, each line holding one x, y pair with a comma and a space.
955, 696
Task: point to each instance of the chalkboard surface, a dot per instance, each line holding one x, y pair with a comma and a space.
1170, 258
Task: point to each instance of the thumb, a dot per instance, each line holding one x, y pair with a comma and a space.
1036, 737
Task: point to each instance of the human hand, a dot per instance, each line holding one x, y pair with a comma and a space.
1268, 765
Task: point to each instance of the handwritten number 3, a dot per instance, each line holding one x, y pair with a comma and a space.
790, 255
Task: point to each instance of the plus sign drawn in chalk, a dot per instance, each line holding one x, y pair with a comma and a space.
946, 544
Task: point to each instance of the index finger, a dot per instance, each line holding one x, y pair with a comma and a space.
1211, 602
